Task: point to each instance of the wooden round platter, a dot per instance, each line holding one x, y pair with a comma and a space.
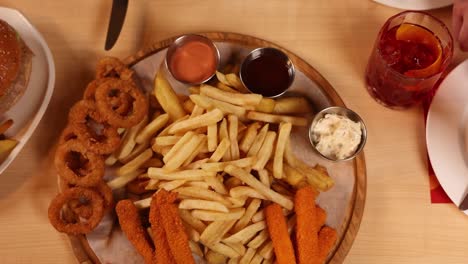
355, 208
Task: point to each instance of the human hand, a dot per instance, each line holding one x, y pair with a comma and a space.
460, 23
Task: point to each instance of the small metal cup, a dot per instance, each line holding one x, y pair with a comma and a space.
254, 54
342, 112
180, 41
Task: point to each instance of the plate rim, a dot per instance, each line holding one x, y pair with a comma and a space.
430, 122
36, 119
80, 245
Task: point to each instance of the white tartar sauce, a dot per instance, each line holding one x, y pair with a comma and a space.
336, 136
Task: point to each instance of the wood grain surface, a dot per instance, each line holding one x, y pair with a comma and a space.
334, 36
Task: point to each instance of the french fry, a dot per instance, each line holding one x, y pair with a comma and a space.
245, 191
166, 96
197, 111
224, 250
264, 177
110, 160
137, 150
266, 251
198, 184
249, 212
223, 134
166, 140
219, 166
232, 182
212, 135
121, 181
215, 257
195, 248
207, 119
292, 176
232, 98
196, 164
210, 104
165, 131
215, 231
236, 83
192, 221
188, 106
249, 137
206, 215
191, 232
283, 137
128, 141
247, 233
194, 90
257, 144
269, 118
238, 247
216, 184
222, 78
178, 146
265, 151
292, 105
233, 260
152, 185
189, 175
237, 202
247, 257
201, 193
152, 128
181, 156
153, 162
258, 216
233, 126
136, 163
225, 88
143, 203
203, 204
317, 178
266, 105
198, 149
259, 239
250, 180
257, 259
281, 189
171, 185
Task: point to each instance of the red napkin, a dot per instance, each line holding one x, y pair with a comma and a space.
438, 194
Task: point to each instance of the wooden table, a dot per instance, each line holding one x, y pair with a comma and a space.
335, 36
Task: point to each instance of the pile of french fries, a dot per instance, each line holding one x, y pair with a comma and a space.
227, 154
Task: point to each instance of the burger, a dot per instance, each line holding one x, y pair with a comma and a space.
15, 66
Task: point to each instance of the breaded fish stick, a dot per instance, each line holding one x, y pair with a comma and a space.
306, 227
132, 227
279, 235
327, 238
162, 253
175, 230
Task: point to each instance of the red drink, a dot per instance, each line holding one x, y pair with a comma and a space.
408, 59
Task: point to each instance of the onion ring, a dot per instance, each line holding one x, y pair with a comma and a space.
113, 67
77, 193
120, 104
112, 88
77, 165
85, 210
67, 134
84, 113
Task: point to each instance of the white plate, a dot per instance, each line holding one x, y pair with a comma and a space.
28, 111
446, 134
416, 4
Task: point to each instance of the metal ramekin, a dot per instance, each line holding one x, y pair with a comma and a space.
342, 111
180, 41
259, 52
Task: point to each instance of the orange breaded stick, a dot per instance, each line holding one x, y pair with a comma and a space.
306, 226
279, 235
162, 252
131, 225
321, 217
327, 238
175, 230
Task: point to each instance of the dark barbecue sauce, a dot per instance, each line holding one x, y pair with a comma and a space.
267, 74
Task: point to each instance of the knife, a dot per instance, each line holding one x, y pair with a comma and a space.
464, 204
117, 18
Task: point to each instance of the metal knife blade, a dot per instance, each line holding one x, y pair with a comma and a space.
464, 204
117, 18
